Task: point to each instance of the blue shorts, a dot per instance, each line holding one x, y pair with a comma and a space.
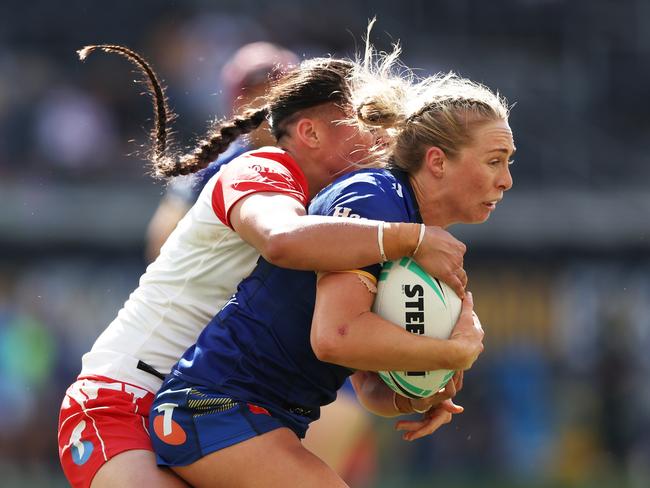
188, 422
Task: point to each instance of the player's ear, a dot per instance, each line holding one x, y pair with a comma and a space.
435, 161
307, 132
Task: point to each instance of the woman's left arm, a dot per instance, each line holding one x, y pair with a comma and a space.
344, 331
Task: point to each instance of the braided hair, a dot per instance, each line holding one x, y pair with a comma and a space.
163, 116
314, 82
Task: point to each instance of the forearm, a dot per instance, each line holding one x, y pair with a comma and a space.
368, 342
313, 242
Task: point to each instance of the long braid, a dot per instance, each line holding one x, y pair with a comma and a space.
162, 114
217, 141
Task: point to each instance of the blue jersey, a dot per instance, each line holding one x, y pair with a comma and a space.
257, 348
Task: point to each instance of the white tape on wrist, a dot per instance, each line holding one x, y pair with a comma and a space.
380, 241
423, 228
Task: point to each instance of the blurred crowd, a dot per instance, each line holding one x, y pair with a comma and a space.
577, 67
560, 396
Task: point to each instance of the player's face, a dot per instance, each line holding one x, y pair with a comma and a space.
480, 174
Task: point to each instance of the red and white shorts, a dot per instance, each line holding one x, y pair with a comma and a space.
99, 419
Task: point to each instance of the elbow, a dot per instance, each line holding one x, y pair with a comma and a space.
326, 347
277, 249
323, 349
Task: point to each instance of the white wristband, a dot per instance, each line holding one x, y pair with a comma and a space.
380, 241
423, 228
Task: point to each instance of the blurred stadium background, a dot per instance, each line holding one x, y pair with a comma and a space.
561, 273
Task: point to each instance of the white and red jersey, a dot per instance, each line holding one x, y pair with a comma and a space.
198, 270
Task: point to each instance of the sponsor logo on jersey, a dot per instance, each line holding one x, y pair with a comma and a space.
258, 168
344, 212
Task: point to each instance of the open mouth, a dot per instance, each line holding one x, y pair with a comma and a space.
491, 204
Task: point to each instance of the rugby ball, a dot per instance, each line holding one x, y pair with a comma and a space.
421, 304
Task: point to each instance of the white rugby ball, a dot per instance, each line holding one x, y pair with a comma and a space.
424, 305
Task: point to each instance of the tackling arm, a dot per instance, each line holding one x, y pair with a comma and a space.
277, 226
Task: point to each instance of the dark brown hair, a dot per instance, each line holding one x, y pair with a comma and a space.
314, 82
163, 116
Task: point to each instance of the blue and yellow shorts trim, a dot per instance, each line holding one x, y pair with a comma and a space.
189, 422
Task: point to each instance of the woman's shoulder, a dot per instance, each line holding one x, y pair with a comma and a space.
379, 179
365, 193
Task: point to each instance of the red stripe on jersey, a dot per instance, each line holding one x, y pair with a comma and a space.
267, 170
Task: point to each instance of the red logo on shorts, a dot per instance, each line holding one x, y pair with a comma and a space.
258, 410
168, 430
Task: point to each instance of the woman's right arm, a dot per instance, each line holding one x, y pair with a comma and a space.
276, 225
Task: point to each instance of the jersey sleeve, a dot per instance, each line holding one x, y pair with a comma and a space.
188, 188
247, 175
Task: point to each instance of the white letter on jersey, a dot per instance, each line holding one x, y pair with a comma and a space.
345, 212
